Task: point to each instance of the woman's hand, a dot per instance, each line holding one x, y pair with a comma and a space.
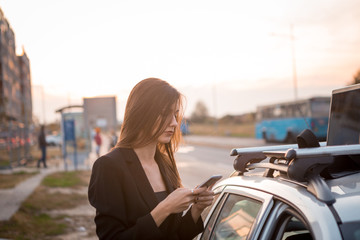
177, 201
180, 199
203, 200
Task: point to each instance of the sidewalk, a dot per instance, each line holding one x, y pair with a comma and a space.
11, 199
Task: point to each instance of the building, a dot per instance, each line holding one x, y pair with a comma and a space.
15, 94
100, 112
26, 99
9, 72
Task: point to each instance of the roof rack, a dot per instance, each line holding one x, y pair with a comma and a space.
339, 150
237, 151
298, 164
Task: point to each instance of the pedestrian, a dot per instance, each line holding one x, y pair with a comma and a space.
136, 188
42, 147
113, 139
98, 142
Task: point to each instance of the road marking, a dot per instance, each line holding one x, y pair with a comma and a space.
186, 149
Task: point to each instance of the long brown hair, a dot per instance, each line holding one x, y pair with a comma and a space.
150, 103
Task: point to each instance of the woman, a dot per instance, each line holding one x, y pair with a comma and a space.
136, 188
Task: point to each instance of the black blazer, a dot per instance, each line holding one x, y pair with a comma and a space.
123, 198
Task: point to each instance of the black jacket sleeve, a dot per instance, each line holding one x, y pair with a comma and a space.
106, 195
188, 229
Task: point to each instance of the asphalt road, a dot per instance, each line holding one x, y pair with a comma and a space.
197, 163
202, 156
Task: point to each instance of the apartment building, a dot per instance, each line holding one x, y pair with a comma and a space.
15, 93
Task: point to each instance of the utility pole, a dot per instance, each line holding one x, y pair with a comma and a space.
292, 42
43, 103
292, 38
215, 108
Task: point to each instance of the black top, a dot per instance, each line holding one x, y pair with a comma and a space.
165, 225
123, 198
161, 195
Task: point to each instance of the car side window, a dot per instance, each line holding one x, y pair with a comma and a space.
236, 218
295, 229
291, 227
210, 223
207, 210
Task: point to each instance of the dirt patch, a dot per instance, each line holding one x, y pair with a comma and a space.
54, 212
80, 221
12, 179
80, 218
81, 210
82, 190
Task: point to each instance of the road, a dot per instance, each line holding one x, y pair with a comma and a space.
197, 163
203, 156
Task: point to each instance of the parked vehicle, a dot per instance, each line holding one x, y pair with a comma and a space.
184, 128
292, 199
282, 122
308, 190
53, 140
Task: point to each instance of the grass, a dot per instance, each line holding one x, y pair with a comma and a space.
231, 129
34, 221
65, 179
11, 180
41, 201
25, 226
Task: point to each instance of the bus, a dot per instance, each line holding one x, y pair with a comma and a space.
283, 122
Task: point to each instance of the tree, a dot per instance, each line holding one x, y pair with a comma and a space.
200, 113
357, 77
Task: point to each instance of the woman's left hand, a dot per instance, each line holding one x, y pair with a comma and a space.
202, 200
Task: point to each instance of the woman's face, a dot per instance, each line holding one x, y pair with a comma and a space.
171, 120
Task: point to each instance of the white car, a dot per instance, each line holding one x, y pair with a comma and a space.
53, 140
293, 199
308, 190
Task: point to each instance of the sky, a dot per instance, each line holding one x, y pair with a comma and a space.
233, 55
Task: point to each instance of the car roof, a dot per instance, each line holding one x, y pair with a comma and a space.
276, 186
346, 191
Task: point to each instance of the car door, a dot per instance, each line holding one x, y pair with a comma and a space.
238, 213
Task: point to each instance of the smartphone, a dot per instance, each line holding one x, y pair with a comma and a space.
211, 181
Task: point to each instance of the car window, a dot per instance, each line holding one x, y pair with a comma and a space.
236, 218
295, 229
207, 210
351, 230
290, 226
210, 223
